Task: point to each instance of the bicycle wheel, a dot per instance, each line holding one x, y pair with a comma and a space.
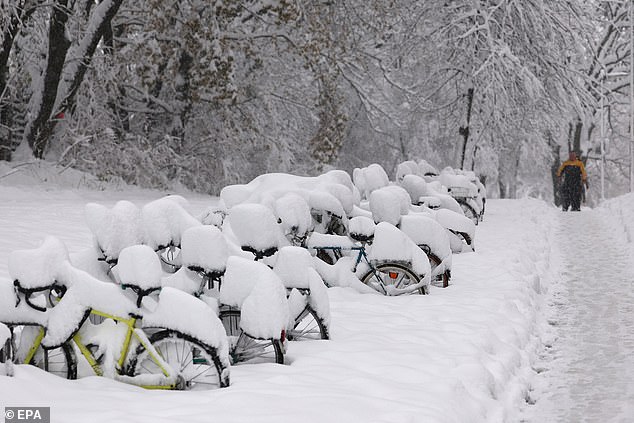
60, 361
392, 279
197, 364
442, 279
469, 211
308, 326
244, 348
170, 259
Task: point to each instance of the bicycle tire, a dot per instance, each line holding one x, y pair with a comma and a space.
198, 364
247, 349
308, 326
60, 361
5, 349
442, 279
469, 211
392, 272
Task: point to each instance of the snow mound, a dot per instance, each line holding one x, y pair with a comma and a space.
139, 265
37, 268
259, 294
164, 221
255, 227
114, 229
368, 179
204, 247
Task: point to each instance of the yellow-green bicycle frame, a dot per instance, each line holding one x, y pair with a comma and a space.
131, 331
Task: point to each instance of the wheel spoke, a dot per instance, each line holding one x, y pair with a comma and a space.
180, 354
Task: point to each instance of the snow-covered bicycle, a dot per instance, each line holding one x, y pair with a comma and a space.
382, 256
144, 340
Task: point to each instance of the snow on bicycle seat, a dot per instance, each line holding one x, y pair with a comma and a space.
388, 204
256, 229
115, 229
204, 249
318, 241
431, 202
361, 228
369, 179
139, 268
458, 185
164, 221
415, 186
37, 269
293, 214
13, 311
325, 202
293, 265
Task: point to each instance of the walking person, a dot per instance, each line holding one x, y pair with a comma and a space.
574, 181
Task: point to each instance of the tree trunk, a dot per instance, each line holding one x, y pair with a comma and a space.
508, 168
576, 141
57, 101
58, 46
19, 15
100, 23
326, 143
556, 162
464, 130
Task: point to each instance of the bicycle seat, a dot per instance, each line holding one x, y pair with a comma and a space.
361, 229
260, 254
204, 250
256, 229
361, 237
26, 293
140, 292
139, 269
164, 221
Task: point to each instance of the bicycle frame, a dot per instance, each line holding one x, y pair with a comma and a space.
139, 335
361, 255
131, 332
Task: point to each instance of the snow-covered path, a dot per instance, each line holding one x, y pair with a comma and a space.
591, 375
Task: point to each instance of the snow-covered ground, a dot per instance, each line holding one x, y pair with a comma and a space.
473, 352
